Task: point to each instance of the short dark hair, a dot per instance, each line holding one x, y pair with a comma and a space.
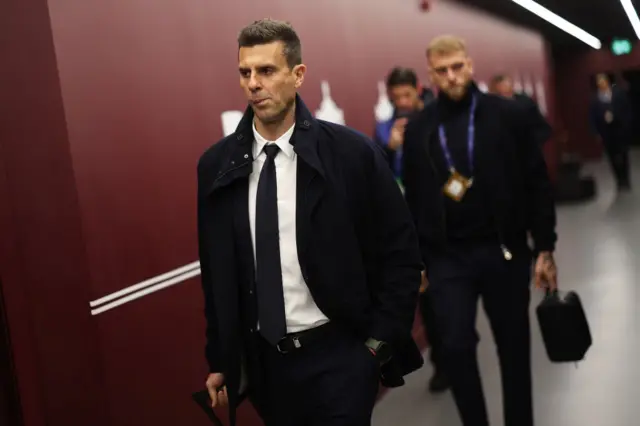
267, 31
402, 76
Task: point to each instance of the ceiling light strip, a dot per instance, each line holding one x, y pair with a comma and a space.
560, 22
632, 14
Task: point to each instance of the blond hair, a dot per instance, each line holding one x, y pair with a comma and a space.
446, 44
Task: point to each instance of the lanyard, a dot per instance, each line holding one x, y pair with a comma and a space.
470, 139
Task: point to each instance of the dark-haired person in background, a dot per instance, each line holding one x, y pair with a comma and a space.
611, 118
403, 92
402, 89
476, 183
503, 85
310, 260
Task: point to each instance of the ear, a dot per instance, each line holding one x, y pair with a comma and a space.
299, 71
470, 64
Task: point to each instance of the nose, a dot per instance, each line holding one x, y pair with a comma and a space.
254, 84
451, 75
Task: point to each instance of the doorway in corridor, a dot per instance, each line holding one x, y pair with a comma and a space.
10, 413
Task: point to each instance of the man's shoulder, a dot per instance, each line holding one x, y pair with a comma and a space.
213, 156
513, 110
344, 139
422, 118
491, 99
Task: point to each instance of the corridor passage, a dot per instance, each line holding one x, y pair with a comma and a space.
599, 257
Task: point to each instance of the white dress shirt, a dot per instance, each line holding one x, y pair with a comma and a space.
301, 311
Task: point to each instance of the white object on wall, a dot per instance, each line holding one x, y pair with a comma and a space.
329, 110
517, 84
383, 110
230, 121
483, 87
541, 97
528, 86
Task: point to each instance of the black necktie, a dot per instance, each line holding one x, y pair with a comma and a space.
270, 295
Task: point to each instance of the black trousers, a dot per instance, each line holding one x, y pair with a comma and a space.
457, 279
618, 156
431, 331
333, 383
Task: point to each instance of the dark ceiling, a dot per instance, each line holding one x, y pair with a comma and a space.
604, 19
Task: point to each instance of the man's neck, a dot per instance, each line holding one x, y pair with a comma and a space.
272, 131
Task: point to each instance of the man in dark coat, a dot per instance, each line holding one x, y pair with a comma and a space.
610, 117
310, 260
503, 85
476, 183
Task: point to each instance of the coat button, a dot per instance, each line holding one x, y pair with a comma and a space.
306, 123
240, 137
246, 156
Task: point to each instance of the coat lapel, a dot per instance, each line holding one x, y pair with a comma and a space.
244, 242
237, 164
311, 178
485, 137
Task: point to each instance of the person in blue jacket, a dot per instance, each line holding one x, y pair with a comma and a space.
407, 99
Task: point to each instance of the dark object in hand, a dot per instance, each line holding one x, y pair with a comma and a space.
564, 327
202, 399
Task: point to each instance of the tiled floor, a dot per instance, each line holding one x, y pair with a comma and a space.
599, 256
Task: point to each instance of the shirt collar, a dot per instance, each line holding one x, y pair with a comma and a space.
282, 142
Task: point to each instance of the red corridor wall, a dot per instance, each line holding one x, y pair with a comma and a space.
106, 108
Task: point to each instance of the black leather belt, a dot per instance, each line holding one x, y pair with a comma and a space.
295, 341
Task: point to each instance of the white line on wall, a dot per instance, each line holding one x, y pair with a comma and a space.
145, 283
144, 290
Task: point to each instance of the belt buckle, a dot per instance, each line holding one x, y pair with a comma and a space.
294, 339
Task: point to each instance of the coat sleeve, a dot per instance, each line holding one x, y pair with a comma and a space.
211, 349
540, 204
413, 172
398, 255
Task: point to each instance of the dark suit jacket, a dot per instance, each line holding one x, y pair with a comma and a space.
620, 131
507, 155
539, 125
357, 245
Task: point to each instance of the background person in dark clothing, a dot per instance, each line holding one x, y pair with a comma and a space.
476, 183
310, 261
426, 94
610, 117
402, 86
503, 85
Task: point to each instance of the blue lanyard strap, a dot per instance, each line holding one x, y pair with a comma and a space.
470, 139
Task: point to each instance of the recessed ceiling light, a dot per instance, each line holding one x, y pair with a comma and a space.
562, 23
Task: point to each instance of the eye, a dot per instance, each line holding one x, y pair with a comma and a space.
245, 73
